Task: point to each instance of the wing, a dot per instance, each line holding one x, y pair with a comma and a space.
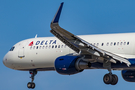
79, 45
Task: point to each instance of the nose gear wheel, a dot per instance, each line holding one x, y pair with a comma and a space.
31, 85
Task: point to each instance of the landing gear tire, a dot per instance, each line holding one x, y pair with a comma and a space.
114, 79
107, 79
110, 79
31, 85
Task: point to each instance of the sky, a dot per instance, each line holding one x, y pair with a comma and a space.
23, 19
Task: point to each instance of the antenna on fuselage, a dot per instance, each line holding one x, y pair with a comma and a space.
36, 36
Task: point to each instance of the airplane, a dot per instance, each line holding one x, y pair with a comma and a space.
69, 54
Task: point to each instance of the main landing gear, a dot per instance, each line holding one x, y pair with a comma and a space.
32, 84
110, 79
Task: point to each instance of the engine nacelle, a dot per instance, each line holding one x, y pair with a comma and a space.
68, 65
128, 75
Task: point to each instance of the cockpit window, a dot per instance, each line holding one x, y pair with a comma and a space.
12, 48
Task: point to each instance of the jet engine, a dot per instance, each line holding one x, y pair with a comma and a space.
68, 65
128, 75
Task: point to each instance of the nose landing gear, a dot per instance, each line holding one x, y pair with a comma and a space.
32, 84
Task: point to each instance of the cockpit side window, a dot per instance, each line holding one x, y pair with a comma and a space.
12, 48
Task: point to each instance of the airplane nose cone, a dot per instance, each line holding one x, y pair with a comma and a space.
5, 60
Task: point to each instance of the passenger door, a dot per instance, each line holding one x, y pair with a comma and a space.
21, 53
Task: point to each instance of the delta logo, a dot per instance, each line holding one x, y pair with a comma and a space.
43, 42
31, 43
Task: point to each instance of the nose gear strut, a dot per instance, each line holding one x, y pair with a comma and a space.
32, 84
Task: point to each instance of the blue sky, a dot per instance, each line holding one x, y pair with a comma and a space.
22, 19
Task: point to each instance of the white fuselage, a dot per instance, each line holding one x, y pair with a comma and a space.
42, 52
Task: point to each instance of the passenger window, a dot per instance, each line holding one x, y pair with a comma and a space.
40, 47
107, 44
97, 44
34, 47
59, 46
55, 46
127, 43
37, 47
102, 44
49, 46
52, 46
43, 47
114, 43
46, 47
111, 43
124, 43
31, 47
121, 43
65, 46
